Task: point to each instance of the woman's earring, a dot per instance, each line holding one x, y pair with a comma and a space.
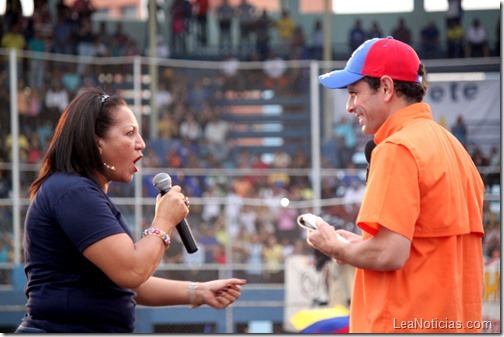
110, 167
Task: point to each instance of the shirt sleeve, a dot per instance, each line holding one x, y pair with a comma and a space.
85, 216
392, 195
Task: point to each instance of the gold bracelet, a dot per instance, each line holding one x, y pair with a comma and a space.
193, 286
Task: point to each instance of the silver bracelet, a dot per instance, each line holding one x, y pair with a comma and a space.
193, 286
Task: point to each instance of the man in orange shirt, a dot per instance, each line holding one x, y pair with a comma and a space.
419, 262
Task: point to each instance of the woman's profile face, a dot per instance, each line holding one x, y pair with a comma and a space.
122, 146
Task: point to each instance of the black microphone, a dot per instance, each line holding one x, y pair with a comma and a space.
370, 145
163, 183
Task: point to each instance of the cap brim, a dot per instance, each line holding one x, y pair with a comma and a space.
339, 79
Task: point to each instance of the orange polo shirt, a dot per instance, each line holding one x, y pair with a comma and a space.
423, 185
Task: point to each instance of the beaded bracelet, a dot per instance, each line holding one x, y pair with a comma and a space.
159, 233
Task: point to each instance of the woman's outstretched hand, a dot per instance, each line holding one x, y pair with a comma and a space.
220, 293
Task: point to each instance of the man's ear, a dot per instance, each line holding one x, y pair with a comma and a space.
387, 87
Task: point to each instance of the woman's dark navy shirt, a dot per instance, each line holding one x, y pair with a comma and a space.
68, 214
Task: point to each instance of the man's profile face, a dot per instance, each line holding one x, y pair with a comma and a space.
367, 105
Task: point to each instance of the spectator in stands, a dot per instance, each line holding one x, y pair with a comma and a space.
246, 16
477, 40
285, 26
190, 128
301, 160
273, 259
257, 164
56, 98
280, 179
211, 209
253, 251
298, 44
14, 39
38, 65
172, 158
353, 196
454, 12
71, 79
285, 217
86, 44
262, 27
220, 254
64, 31
151, 160
188, 151
175, 254
479, 158
317, 40
132, 49
96, 142
178, 28
179, 107
199, 93
23, 103
429, 37
216, 133
494, 161
34, 102
101, 49
45, 132
346, 140
105, 37
255, 76
188, 16
201, 19
455, 40
81, 10
35, 154
206, 112
5, 183
492, 236
459, 130
164, 97
23, 145
230, 71
232, 211
225, 15
4, 258
480, 161
194, 260
356, 36
208, 242
402, 32
221, 232
265, 219
120, 40
375, 31
43, 23
275, 69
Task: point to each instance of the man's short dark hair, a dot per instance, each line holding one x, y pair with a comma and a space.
413, 92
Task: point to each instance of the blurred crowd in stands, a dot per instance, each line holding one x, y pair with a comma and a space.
194, 135
71, 30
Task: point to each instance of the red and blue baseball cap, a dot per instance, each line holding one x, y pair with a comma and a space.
376, 58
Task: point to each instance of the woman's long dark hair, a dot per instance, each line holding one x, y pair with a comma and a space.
73, 148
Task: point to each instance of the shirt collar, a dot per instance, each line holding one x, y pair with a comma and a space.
400, 118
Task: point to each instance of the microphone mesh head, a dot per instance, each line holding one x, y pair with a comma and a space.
162, 182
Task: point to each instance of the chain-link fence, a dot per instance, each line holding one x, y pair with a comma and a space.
248, 142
